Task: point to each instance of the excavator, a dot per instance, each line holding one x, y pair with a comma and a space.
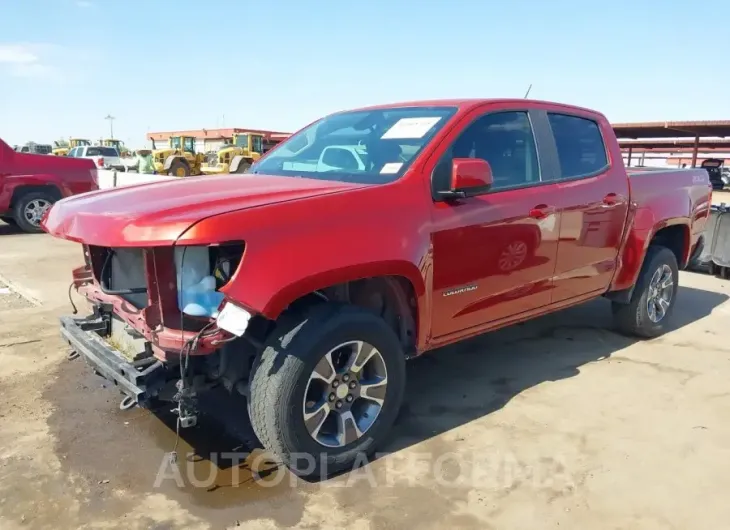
179, 158
62, 150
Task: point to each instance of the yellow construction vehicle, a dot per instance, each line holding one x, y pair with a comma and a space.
62, 150
118, 144
179, 158
236, 157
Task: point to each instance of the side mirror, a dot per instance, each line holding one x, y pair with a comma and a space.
469, 177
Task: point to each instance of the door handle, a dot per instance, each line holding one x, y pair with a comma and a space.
611, 199
541, 211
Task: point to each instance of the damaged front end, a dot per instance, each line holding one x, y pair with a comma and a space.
155, 328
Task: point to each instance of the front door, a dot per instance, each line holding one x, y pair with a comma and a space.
493, 254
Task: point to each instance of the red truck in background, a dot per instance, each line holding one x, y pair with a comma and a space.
369, 237
31, 183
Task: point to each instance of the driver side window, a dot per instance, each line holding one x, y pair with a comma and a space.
505, 140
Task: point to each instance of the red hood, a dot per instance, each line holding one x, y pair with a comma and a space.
157, 213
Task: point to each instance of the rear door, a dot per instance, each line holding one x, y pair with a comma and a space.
494, 254
593, 202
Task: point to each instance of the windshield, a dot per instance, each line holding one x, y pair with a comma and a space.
175, 142
368, 146
242, 140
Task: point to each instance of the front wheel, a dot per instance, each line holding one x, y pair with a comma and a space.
327, 389
179, 169
652, 303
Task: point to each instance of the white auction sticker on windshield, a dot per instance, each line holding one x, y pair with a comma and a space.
391, 167
410, 128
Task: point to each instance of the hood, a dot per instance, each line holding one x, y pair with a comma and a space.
158, 213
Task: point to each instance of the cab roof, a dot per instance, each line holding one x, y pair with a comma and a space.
470, 103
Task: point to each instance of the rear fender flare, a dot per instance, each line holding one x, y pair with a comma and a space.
636, 244
14, 187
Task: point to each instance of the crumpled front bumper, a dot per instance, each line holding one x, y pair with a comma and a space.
141, 380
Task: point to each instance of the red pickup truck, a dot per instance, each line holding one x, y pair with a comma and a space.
31, 183
369, 237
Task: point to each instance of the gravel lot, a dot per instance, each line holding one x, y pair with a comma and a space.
556, 423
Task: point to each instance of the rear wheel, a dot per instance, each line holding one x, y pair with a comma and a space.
30, 208
178, 168
327, 389
652, 303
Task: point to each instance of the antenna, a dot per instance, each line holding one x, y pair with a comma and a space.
111, 124
528, 91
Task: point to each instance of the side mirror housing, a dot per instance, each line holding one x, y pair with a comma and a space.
469, 177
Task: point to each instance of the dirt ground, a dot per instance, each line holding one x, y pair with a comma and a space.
556, 423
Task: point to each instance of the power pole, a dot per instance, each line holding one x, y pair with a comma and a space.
111, 124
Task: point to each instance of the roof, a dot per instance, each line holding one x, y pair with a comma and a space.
215, 134
468, 103
672, 129
674, 145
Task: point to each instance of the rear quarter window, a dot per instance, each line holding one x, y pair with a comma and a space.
581, 150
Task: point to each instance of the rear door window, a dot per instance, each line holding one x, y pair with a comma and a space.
581, 150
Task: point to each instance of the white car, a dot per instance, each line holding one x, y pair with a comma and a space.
103, 157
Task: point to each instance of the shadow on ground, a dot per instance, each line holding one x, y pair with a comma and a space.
446, 388
9, 229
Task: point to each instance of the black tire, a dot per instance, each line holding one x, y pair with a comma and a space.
178, 168
633, 318
22, 203
280, 378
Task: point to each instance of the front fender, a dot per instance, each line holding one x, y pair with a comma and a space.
295, 247
170, 159
237, 162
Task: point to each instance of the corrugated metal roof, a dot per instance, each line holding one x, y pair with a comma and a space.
674, 145
673, 129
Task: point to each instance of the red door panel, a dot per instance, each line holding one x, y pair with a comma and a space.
494, 257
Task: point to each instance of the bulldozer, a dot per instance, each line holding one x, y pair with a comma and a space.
62, 150
236, 157
179, 158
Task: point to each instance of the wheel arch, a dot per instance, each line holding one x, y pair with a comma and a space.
24, 189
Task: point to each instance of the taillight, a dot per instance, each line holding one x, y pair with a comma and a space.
100, 162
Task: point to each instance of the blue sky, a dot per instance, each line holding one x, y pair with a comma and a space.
164, 65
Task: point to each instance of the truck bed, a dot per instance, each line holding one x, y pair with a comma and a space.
669, 191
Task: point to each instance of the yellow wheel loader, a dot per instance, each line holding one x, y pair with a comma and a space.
236, 157
179, 158
118, 144
62, 150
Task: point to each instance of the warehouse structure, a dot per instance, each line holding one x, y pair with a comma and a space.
677, 143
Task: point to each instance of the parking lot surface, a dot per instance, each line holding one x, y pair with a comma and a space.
557, 423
